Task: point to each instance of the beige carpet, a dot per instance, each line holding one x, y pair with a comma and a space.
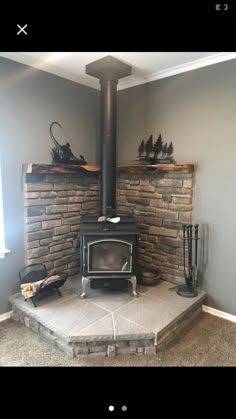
210, 342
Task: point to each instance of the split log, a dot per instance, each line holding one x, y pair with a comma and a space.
30, 289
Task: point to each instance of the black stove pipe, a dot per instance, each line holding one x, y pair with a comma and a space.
108, 147
108, 70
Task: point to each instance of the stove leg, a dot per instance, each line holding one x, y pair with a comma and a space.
133, 281
85, 281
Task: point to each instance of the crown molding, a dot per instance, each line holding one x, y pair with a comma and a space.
22, 58
192, 65
123, 84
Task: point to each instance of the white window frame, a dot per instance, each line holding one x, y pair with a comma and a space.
3, 249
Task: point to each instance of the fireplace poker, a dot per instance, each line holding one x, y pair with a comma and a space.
188, 277
196, 238
184, 237
190, 253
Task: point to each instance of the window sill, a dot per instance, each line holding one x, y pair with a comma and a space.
3, 253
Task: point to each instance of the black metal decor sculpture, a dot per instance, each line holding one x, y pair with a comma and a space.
189, 289
157, 152
62, 154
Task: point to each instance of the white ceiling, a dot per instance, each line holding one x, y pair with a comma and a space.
146, 66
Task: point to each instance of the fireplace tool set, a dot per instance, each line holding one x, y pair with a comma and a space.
189, 289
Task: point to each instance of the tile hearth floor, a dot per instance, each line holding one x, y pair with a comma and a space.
108, 322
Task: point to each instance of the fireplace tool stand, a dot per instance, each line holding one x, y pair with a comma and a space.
189, 289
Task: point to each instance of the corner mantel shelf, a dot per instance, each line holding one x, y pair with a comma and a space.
133, 169
167, 168
38, 168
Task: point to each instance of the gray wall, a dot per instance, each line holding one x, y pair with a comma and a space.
131, 123
197, 111
30, 100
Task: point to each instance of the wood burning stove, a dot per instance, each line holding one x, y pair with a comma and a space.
108, 250
108, 253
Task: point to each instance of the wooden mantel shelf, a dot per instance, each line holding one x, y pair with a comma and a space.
167, 168
135, 169
58, 168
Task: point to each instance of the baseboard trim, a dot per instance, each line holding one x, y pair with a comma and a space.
219, 313
5, 316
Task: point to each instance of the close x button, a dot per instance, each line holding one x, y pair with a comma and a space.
21, 29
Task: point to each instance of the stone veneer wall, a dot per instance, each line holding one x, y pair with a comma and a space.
161, 203
53, 206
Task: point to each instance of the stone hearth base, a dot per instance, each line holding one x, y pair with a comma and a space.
109, 323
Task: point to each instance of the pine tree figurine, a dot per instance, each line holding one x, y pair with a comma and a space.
157, 148
164, 150
170, 149
149, 146
141, 149
157, 153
